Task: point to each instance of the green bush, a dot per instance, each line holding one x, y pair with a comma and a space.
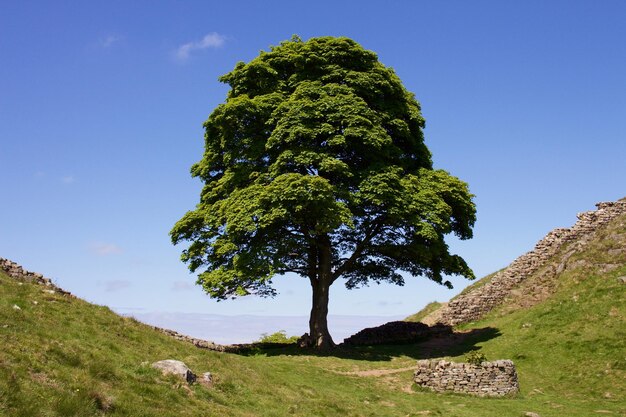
475, 357
278, 337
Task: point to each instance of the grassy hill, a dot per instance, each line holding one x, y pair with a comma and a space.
61, 356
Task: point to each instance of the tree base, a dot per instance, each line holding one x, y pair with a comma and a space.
306, 341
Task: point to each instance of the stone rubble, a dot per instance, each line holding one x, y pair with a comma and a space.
489, 379
476, 303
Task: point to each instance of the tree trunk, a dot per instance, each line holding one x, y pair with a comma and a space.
321, 281
318, 323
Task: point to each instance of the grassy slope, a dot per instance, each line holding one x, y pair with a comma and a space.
435, 305
65, 357
428, 308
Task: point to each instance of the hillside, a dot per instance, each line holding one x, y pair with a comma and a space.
535, 275
61, 356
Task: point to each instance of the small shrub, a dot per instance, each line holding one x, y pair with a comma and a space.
278, 337
475, 357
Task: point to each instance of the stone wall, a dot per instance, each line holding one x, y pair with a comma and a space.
489, 379
200, 343
397, 332
16, 271
479, 301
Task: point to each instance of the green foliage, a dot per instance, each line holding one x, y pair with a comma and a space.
316, 164
278, 337
475, 357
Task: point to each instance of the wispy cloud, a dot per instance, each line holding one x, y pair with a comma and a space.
68, 179
104, 249
109, 40
211, 40
116, 285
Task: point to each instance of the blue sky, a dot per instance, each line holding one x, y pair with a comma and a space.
102, 104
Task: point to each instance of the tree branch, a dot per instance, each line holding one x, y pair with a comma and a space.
360, 247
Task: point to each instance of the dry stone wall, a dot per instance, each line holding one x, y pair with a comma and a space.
200, 343
477, 302
16, 271
489, 379
396, 332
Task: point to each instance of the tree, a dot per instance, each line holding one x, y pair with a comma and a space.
316, 164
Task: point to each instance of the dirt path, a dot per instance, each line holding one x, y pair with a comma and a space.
375, 372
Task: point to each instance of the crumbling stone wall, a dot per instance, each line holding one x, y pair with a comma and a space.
477, 302
489, 379
200, 343
16, 271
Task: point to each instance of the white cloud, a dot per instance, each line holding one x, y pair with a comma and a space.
68, 179
104, 249
109, 40
211, 40
116, 285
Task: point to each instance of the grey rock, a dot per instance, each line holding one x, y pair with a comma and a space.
531, 414
172, 366
207, 378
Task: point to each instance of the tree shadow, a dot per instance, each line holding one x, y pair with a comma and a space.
452, 344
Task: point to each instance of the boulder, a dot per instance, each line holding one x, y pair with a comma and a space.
171, 366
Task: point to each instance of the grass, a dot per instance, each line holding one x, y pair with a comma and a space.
61, 356
429, 308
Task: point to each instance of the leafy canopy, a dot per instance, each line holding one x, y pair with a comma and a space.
317, 141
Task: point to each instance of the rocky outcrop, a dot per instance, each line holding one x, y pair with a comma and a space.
396, 332
479, 301
489, 379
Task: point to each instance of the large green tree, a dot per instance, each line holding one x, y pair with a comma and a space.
316, 165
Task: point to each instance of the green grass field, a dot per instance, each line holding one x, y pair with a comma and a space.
61, 356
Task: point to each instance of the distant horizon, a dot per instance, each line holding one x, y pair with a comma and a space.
247, 328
